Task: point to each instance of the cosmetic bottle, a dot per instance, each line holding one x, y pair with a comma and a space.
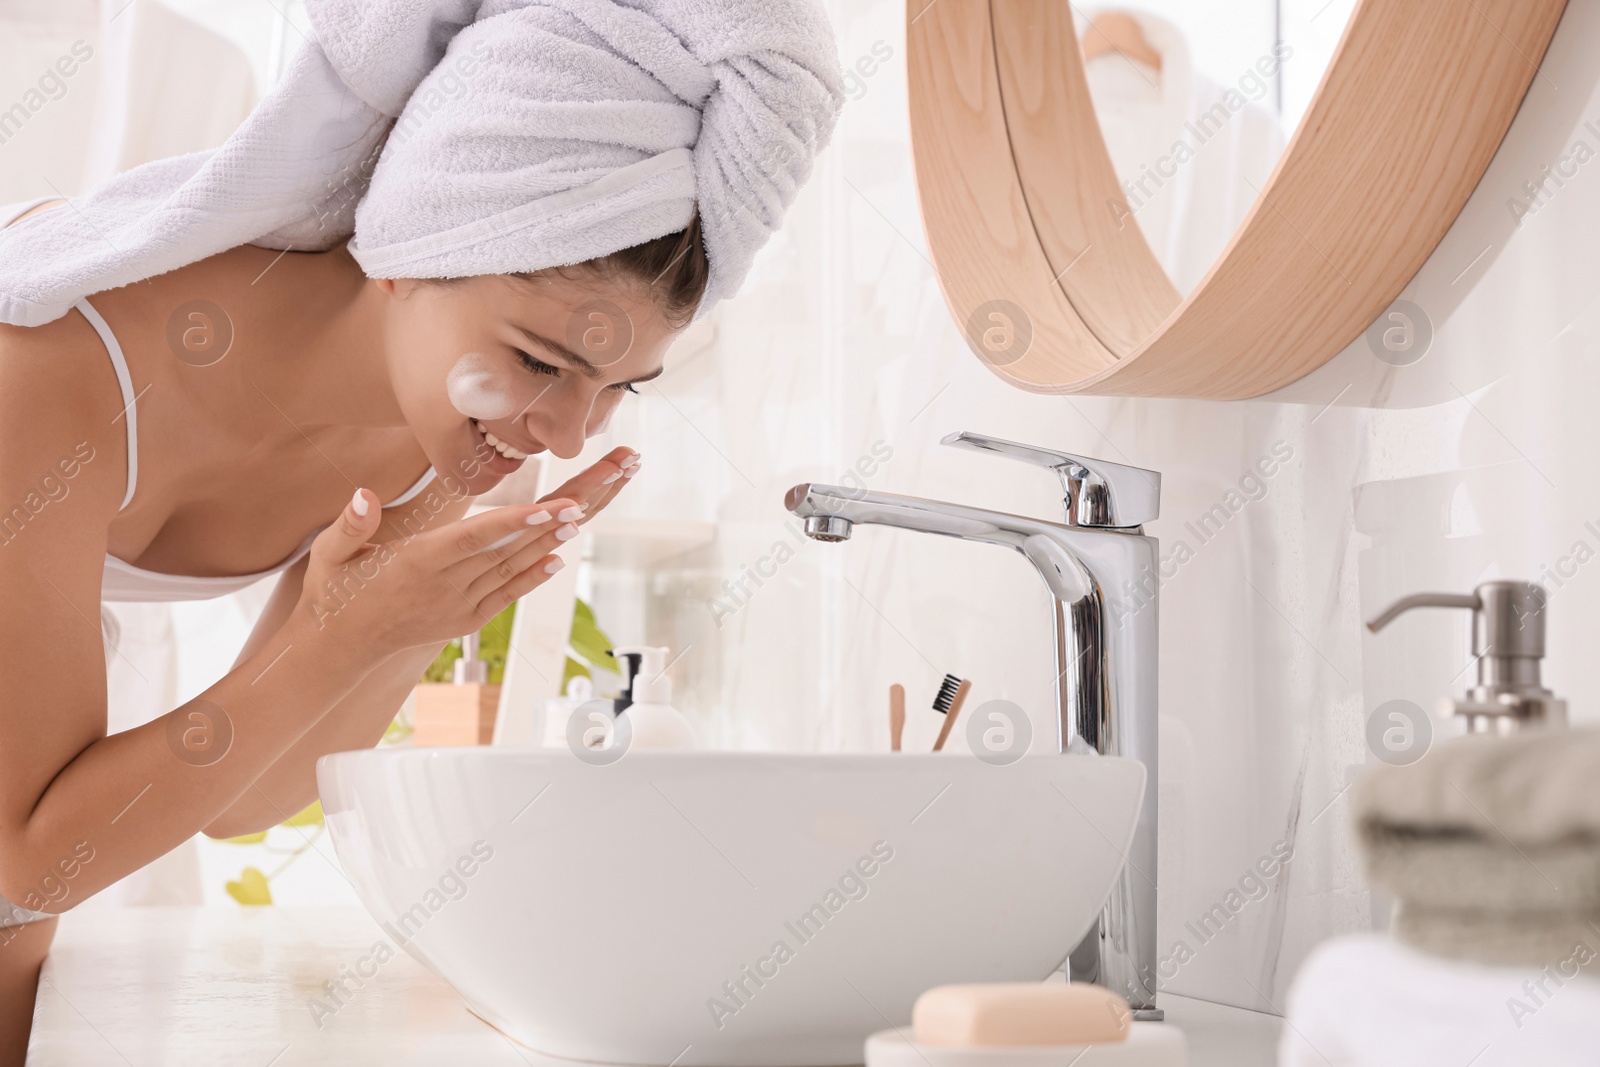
647, 702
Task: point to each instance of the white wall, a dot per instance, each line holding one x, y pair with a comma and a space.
1472, 463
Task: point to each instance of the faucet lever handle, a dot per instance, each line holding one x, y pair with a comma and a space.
1097, 491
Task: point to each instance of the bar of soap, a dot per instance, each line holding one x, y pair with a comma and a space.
1020, 1013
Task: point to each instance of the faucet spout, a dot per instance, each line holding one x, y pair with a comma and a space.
1105, 674
830, 511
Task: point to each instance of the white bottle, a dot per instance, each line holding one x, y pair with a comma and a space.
653, 721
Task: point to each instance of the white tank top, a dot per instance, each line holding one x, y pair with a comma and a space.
123, 581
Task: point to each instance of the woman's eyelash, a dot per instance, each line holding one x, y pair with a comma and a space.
539, 366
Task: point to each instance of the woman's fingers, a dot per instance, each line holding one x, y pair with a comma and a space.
540, 551
599, 484
627, 464
349, 534
494, 530
509, 557
497, 600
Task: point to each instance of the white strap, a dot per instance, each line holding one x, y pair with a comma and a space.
120, 365
419, 486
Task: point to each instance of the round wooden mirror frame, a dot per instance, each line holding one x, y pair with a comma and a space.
1046, 272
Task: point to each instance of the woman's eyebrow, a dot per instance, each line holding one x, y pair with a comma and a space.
579, 363
583, 366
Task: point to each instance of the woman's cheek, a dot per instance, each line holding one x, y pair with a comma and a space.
480, 388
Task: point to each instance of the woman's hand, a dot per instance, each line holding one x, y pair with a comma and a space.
433, 586
598, 485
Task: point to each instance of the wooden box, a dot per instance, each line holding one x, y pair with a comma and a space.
448, 714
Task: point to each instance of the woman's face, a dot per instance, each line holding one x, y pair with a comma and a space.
494, 369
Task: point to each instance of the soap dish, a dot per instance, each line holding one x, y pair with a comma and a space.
1148, 1045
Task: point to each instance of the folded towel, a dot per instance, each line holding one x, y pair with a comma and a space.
525, 134
1491, 844
1366, 1001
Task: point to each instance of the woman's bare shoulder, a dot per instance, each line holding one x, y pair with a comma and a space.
46, 368
64, 360
59, 401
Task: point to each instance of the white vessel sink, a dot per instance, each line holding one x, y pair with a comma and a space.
604, 913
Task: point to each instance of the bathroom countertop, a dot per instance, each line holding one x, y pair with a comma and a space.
223, 985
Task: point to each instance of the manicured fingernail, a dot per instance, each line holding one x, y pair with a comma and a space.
613, 476
567, 532
554, 565
629, 472
359, 505
538, 518
572, 514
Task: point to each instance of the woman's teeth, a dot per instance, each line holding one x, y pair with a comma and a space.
497, 444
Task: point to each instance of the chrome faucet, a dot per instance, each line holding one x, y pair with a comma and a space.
1101, 573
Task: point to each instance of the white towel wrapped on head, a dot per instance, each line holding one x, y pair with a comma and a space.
530, 134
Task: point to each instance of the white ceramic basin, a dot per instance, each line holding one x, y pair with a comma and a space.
720, 907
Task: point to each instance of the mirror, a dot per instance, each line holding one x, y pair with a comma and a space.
1041, 254
1195, 101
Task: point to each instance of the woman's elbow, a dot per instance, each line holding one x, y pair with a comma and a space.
29, 883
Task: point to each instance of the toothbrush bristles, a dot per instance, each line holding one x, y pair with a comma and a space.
947, 694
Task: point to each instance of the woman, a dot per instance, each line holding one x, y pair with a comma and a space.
192, 400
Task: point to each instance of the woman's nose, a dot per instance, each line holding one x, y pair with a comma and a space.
563, 433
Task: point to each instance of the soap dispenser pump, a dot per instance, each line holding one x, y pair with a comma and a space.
647, 698
1508, 643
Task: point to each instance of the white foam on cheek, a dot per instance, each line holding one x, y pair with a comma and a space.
478, 389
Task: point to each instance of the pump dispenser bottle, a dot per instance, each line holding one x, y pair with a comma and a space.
655, 722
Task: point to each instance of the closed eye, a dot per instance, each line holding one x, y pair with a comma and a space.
539, 366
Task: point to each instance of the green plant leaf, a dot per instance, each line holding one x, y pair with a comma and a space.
494, 642
251, 888
589, 651
246, 839
588, 640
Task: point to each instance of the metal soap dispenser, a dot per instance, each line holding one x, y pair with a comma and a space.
1508, 643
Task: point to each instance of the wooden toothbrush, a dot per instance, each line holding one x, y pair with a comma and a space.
952, 694
897, 715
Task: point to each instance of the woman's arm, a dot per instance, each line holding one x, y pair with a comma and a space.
360, 718
357, 721
100, 810
78, 809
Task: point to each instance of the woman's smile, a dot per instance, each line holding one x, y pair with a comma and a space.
498, 456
